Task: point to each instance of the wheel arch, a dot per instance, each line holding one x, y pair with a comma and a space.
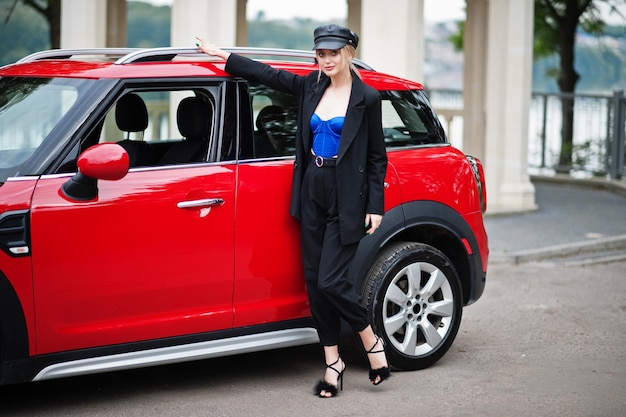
431, 223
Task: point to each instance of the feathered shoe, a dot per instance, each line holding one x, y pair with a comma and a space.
329, 388
378, 375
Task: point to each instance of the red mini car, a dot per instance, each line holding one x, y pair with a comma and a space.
144, 199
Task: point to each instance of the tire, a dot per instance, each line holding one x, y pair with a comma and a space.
414, 301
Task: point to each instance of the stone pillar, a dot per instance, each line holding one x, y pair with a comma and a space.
392, 37
241, 38
507, 103
354, 19
214, 20
474, 78
117, 24
82, 25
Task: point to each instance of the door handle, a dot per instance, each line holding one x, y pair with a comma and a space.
205, 202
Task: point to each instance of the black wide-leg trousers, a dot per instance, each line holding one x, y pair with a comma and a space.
326, 261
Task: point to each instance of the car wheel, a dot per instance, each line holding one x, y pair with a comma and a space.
414, 300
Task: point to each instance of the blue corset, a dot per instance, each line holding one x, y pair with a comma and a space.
326, 134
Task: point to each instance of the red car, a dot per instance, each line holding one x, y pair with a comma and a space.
144, 216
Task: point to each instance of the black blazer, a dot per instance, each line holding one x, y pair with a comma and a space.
362, 158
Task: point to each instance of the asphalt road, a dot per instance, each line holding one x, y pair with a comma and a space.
543, 341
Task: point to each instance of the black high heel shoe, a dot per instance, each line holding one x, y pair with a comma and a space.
378, 375
322, 385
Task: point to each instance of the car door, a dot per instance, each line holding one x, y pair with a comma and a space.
269, 283
150, 258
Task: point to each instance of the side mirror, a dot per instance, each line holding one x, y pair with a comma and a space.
106, 161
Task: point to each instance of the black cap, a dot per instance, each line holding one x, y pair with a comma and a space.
334, 37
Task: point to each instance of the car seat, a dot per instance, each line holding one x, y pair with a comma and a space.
269, 122
194, 117
131, 115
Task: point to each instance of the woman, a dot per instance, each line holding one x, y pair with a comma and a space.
337, 189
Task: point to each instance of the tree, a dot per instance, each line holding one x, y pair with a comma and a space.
556, 25
51, 11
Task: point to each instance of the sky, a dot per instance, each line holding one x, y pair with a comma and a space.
434, 10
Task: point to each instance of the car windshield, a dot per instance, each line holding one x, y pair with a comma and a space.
30, 108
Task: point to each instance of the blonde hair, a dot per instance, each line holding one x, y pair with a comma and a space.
347, 52
349, 49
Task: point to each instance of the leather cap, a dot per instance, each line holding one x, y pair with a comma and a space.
334, 37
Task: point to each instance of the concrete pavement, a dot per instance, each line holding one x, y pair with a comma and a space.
542, 341
577, 222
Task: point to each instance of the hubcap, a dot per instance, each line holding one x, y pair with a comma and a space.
417, 309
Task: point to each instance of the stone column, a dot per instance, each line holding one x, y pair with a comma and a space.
507, 103
214, 20
354, 19
83, 25
474, 78
242, 24
117, 24
392, 37
93, 23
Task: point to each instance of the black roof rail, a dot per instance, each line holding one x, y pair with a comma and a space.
133, 55
69, 53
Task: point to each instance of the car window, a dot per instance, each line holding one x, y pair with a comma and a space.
408, 120
157, 104
155, 127
274, 122
162, 127
406, 116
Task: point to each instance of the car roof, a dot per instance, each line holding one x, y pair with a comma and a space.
127, 63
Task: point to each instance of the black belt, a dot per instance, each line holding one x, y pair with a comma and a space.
323, 162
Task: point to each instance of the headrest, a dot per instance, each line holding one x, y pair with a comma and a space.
131, 114
194, 118
271, 118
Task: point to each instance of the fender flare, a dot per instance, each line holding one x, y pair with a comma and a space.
404, 222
